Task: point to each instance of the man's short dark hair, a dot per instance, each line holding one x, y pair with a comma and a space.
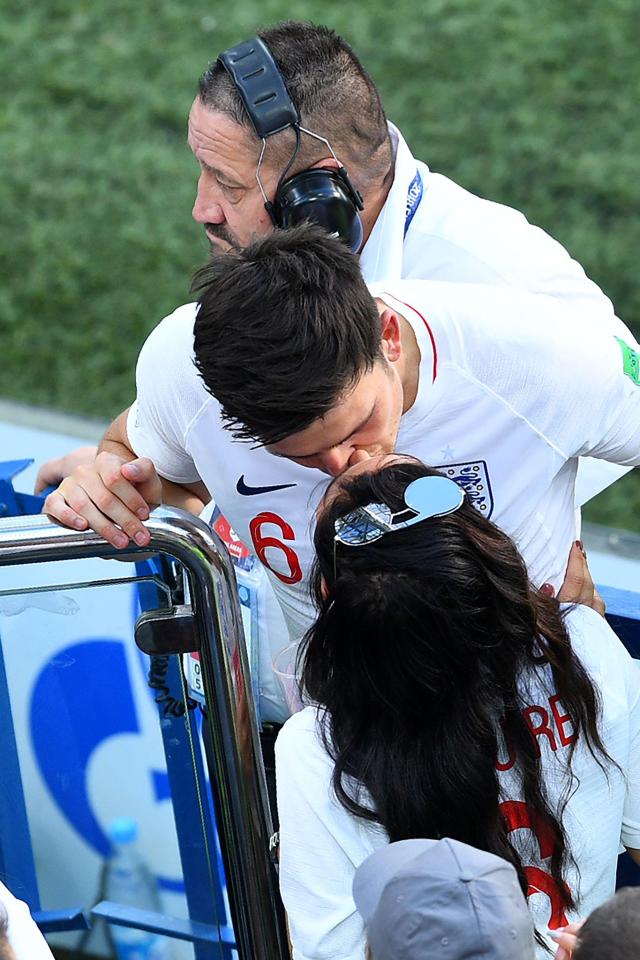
333, 92
612, 931
284, 328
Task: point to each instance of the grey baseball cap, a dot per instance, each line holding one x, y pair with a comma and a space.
442, 900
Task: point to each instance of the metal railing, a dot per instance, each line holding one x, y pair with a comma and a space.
210, 622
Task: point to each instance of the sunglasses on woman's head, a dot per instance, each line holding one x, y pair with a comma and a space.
425, 497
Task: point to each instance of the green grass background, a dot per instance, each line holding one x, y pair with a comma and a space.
534, 105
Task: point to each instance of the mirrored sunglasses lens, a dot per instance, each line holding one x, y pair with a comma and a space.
355, 529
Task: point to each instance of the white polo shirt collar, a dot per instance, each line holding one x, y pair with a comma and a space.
381, 257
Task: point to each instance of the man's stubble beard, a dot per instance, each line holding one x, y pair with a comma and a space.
220, 232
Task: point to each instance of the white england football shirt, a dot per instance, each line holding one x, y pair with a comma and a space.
431, 228
322, 845
513, 388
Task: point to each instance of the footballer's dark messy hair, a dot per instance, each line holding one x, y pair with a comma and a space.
284, 329
333, 92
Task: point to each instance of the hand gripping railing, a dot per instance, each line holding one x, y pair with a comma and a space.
235, 761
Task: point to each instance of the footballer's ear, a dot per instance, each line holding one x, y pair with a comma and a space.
390, 334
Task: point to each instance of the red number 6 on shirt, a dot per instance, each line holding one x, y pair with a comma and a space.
261, 543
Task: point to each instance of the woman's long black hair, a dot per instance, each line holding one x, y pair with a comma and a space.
421, 652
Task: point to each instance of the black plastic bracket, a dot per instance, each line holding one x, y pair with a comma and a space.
172, 630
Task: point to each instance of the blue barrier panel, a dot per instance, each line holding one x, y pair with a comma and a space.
623, 614
16, 853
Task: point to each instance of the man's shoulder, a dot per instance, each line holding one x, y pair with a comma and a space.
459, 235
475, 312
451, 233
166, 368
452, 214
501, 337
177, 326
169, 346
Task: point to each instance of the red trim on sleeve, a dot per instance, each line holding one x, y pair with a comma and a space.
429, 331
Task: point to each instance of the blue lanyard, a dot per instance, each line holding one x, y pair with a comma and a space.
414, 196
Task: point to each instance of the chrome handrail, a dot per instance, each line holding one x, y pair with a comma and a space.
245, 819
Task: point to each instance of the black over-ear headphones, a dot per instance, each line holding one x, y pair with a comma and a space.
325, 196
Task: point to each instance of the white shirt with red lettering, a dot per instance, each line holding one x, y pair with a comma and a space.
322, 845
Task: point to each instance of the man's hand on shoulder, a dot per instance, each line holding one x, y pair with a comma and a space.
112, 495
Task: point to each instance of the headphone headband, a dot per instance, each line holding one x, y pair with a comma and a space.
324, 196
261, 87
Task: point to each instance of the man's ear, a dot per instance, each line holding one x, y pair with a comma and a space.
390, 334
327, 163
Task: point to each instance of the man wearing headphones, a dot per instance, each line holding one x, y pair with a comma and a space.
289, 126
406, 221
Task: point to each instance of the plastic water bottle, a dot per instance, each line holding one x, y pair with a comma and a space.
130, 883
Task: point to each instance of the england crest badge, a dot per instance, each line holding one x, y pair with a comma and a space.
473, 477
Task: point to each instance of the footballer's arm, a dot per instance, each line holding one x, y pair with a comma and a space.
115, 492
